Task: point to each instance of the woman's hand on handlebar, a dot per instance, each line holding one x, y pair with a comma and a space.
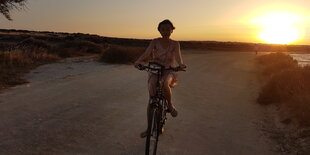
182, 66
138, 65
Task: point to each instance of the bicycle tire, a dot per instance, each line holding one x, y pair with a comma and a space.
152, 132
162, 115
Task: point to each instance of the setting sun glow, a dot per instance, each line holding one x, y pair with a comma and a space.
279, 28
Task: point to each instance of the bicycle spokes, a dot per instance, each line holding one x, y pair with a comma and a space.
157, 119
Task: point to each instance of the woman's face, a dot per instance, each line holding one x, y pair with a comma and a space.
165, 30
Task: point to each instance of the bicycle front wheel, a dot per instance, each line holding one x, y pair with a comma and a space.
152, 132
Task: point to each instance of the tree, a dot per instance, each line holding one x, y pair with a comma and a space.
7, 5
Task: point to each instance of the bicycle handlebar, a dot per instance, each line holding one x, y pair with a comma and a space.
175, 69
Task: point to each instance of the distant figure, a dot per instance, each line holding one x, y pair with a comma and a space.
166, 52
256, 49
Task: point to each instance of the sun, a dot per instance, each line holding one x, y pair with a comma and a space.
279, 28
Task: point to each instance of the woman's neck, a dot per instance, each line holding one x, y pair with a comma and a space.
165, 39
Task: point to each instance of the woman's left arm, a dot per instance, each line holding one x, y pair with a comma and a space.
179, 56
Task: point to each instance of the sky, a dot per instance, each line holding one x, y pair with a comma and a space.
221, 20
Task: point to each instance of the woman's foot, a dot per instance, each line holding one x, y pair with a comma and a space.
143, 134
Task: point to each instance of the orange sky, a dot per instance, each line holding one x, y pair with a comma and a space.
221, 20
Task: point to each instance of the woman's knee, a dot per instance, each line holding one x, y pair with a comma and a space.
152, 86
152, 81
167, 82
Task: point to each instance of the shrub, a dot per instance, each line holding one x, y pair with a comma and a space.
275, 62
32, 43
121, 55
284, 85
13, 64
6, 46
77, 48
24, 58
287, 86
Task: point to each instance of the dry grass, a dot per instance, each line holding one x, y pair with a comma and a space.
275, 63
288, 86
13, 64
33, 44
121, 55
26, 58
16, 59
77, 48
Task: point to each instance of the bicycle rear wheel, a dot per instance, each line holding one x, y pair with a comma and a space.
152, 132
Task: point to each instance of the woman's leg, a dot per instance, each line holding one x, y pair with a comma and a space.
167, 93
167, 90
152, 84
152, 91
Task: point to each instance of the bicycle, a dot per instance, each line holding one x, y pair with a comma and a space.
158, 107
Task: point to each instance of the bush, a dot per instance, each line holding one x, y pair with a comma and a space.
284, 85
276, 62
13, 64
121, 55
6, 46
288, 86
77, 48
25, 58
32, 43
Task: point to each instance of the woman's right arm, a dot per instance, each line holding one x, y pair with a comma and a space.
147, 54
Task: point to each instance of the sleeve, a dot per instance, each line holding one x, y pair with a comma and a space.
147, 54
178, 54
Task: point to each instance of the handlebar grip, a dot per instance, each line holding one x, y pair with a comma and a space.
140, 67
178, 69
183, 70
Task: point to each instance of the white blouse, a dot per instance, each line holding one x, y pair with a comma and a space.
169, 56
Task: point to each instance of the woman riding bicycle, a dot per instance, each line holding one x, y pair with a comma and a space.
166, 52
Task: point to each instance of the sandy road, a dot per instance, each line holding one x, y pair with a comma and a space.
101, 110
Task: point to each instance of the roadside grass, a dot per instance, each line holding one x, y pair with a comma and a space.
287, 85
13, 64
16, 59
32, 43
121, 54
275, 63
77, 48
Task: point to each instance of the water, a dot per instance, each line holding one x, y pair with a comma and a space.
303, 59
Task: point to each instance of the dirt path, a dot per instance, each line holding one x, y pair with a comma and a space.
100, 109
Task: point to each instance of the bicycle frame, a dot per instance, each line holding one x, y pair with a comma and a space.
157, 112
158, 101
158, 106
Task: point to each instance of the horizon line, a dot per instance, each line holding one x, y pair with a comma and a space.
45, 31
